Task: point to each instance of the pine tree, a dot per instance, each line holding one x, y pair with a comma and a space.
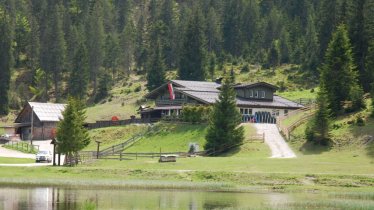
338, 74
95, 39
71, 134
127, 47
231, 27
6, 37
224, 129
317, 130
78, 81
111, 49
103, 88
212, 65
156, 68
168, 41
310, 55
193, 56
327, 23
53, 49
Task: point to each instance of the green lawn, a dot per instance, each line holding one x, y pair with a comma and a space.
295, 95
7, 160
113, 135
172, 138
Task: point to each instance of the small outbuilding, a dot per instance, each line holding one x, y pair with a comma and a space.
38, 121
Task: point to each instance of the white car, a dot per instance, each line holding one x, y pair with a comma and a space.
44, 156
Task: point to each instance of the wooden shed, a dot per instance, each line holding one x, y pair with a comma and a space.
38, 121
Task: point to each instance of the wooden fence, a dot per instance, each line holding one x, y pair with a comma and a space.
110, 123
305, 114
135, 155
22, 146
118, 148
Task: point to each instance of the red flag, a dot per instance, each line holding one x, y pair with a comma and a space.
171, 91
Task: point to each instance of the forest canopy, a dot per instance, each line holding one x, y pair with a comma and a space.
75, 47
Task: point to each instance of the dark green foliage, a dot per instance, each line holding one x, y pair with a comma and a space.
224, 129
372, 99
104, 87
71, 134
78, 81
120, 36
317, 130
53, 49
195, 114
212, 65
6, 36
192, 61
338, 73
156, 69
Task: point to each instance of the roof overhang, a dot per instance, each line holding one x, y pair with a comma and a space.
239, 86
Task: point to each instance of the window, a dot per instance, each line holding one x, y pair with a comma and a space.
251, 93
249, 111
285, 112
275, 112
256, 94
241, 111
245, 111
262, 94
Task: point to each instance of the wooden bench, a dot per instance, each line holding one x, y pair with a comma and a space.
168, 158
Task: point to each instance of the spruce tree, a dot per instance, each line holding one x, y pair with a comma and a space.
78, 81
54, 48
193, 56
338, 74
71, 134
156, 68
6, 37
224, 129
317, 130
111, 57
95, 39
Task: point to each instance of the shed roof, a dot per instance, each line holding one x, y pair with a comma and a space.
48, 112
45, 112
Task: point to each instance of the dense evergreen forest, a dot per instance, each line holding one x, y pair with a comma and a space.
58, 48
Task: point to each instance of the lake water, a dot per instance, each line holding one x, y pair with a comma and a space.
45, 198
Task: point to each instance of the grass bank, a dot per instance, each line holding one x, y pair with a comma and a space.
7, 160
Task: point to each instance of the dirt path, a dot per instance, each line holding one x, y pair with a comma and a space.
278, 146
4, 152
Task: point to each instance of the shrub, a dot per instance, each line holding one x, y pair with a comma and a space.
138, 88
245, 68
360, 120
195, 114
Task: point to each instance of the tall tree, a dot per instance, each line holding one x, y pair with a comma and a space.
53, 49
338, 73
111, 54
327, 22
95, 39
78, 81
310, 56
231, 27
6, 38
71, 134
127, 46
317, 130
156, 68
224, 129
168, 40
193, 56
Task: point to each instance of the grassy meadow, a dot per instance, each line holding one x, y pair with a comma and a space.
8, 160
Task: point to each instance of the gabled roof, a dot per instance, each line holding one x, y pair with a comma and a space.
208, 92
255, 85
45, 112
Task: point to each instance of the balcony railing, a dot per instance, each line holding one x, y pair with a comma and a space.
171, 102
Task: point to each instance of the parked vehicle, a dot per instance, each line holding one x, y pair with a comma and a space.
45, 156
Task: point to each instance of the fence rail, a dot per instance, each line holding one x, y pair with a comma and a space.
110, 123
130, 155
305, 114
22, 146
118, 148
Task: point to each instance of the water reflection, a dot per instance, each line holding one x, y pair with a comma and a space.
49, 198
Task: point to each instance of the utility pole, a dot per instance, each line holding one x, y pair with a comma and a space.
32, 124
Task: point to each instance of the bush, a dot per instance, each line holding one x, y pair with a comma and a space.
360, 120
138, 89
195, 114
245, 68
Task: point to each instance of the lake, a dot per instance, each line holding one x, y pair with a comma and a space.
45, 198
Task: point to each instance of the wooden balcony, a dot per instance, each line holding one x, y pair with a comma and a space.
171, 102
